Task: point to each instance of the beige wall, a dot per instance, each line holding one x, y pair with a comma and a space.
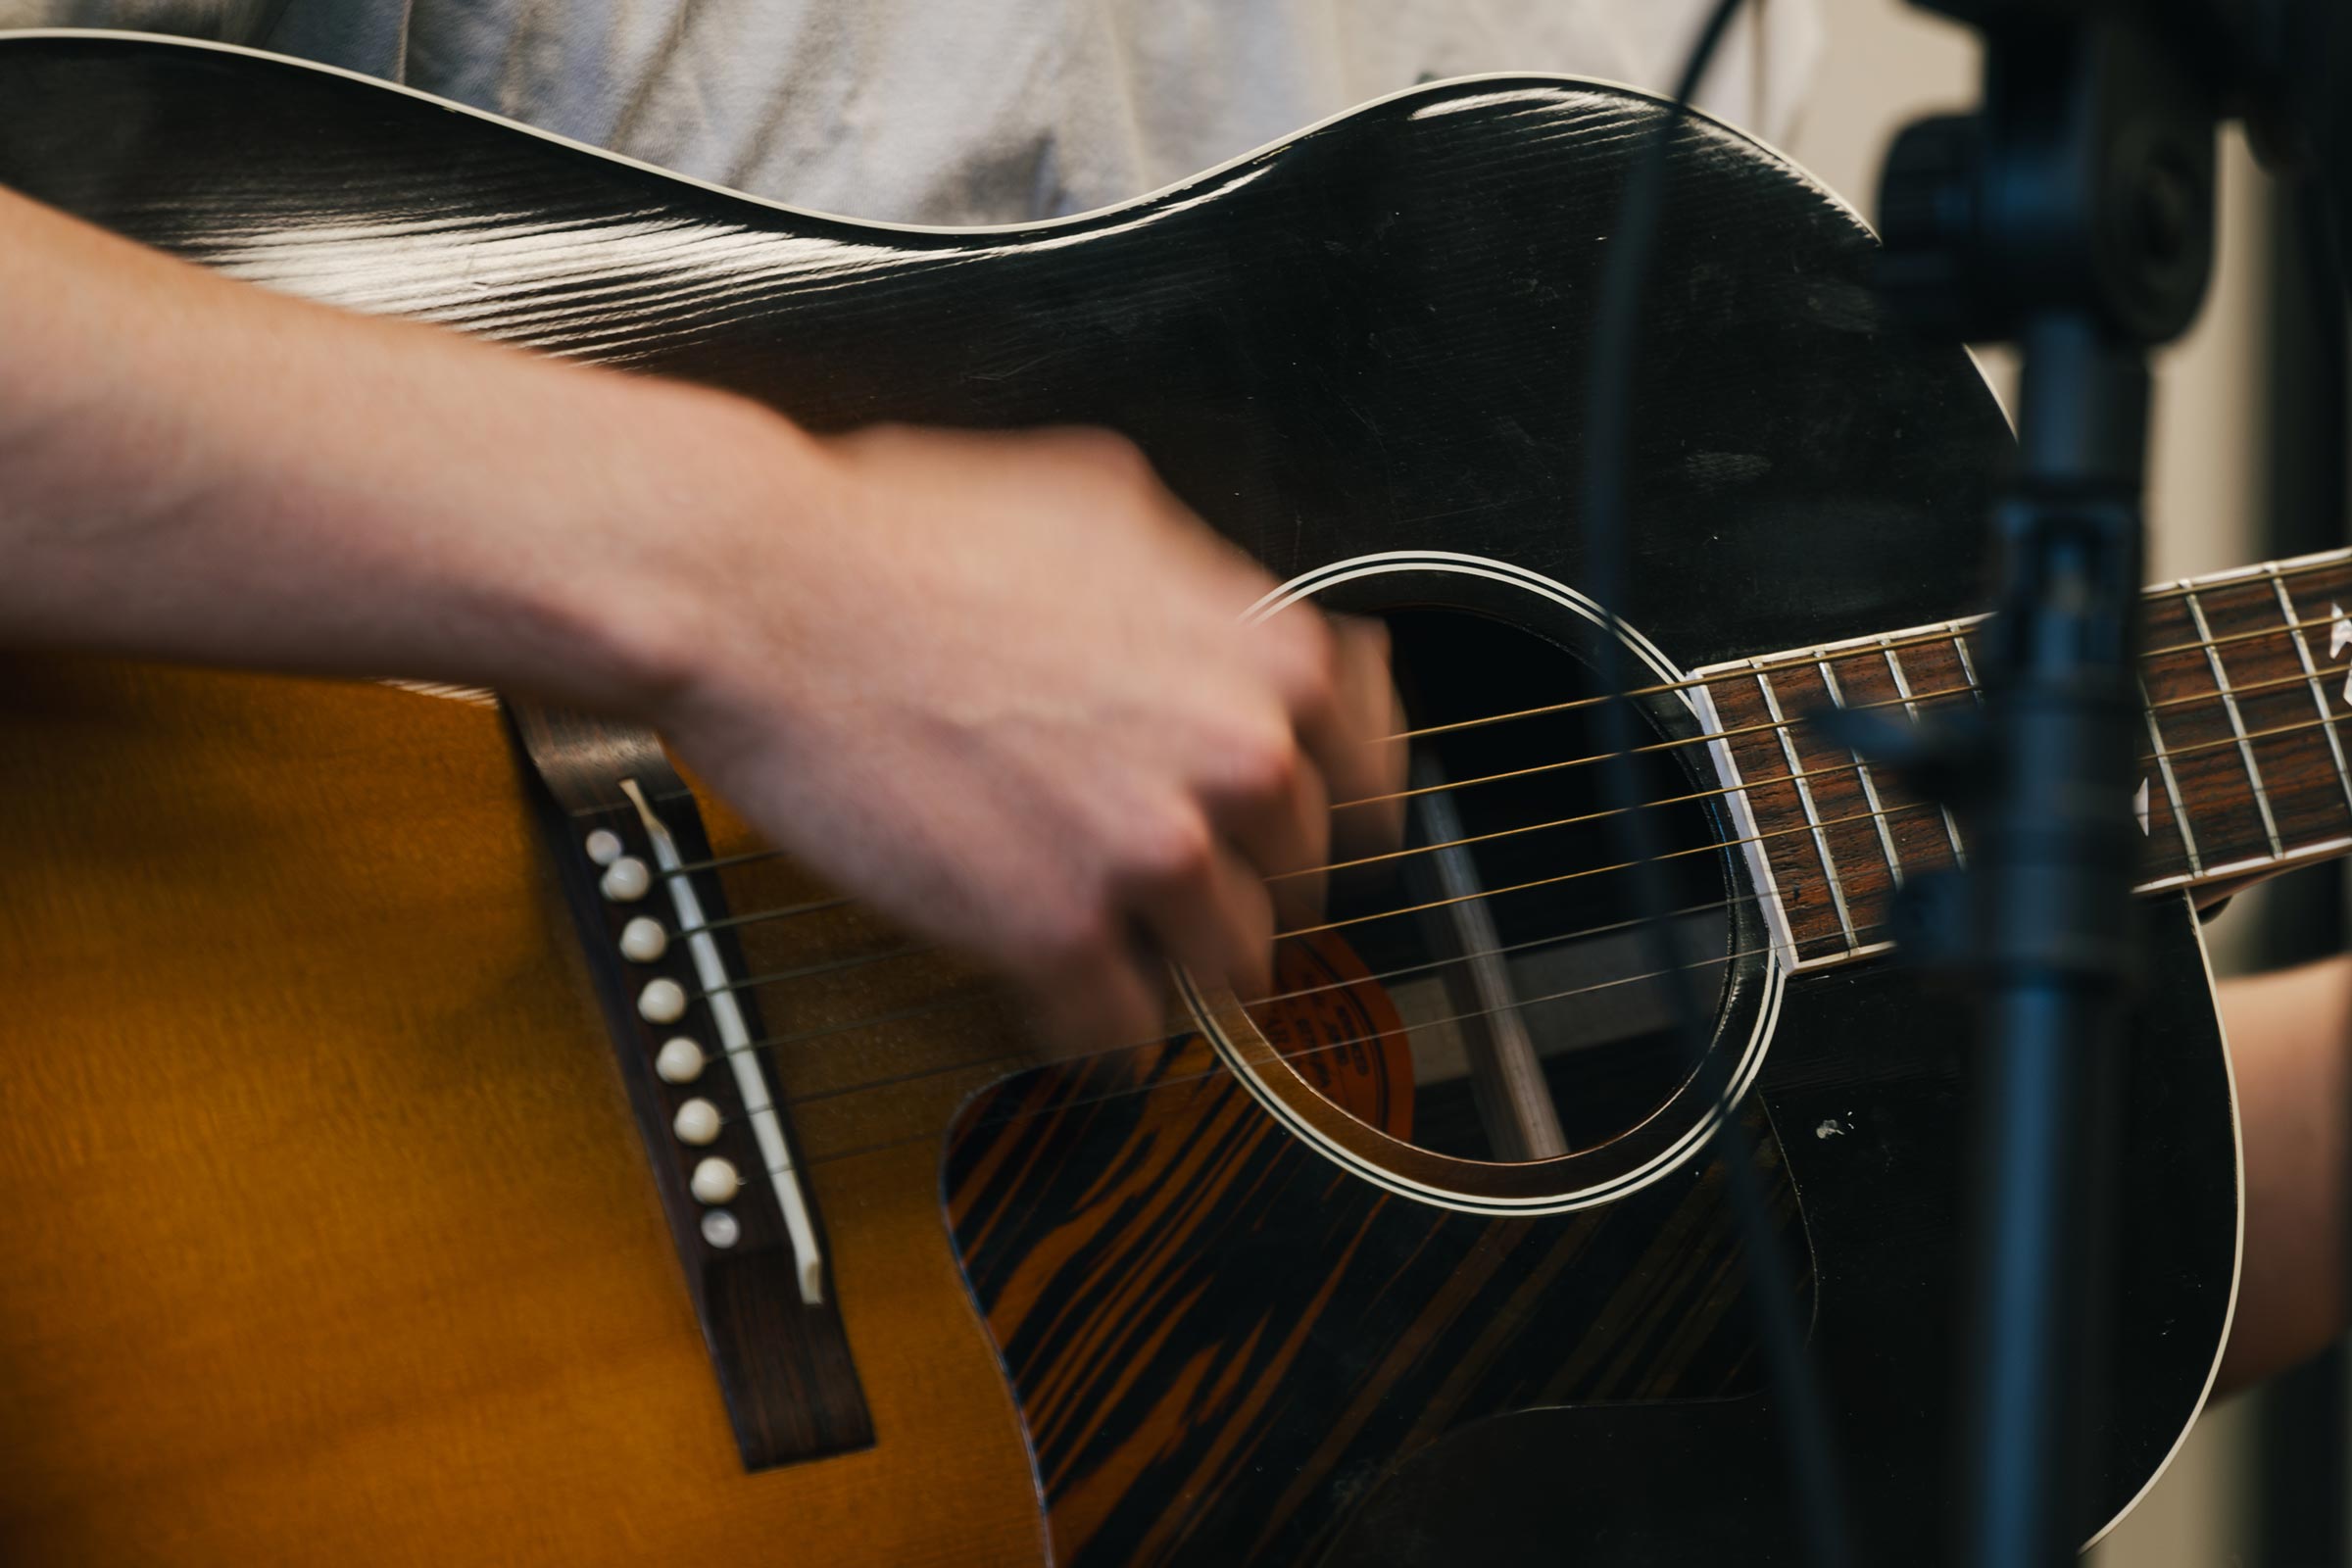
1882, 63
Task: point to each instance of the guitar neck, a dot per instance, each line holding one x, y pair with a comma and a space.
2247, 683
2247, 680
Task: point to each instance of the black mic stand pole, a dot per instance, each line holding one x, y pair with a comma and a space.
2071, 214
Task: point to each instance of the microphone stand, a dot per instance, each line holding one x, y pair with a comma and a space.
2073, 214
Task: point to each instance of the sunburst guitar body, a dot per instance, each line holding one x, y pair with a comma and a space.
436, 1135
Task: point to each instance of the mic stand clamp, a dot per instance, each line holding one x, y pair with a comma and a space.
2071, 214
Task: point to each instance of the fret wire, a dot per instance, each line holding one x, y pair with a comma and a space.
2171, 785
2311, 674
2238, 723
1870, 789
1903, 686
1804, 798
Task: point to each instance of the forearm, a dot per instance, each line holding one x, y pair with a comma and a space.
191, 468
1004, 688
2290, 1037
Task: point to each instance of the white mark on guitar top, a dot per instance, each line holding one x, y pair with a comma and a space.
2338, 640
1829, 1129
2139, 808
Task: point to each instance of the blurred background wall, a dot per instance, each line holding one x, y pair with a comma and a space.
2242, 471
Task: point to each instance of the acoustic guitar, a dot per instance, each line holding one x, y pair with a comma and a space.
436, 1135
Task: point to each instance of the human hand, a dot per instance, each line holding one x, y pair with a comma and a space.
1002, 687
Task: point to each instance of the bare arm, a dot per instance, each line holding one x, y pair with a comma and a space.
2290, 1036
996, 684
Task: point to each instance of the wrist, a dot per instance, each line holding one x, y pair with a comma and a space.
691, 555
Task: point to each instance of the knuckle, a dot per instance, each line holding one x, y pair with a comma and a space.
1263, 762
1310, 660
1073, 934
1176, 848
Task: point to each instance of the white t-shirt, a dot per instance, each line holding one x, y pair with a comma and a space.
969, 111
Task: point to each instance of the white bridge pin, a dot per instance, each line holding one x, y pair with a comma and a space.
662, 1001
643, 940
697, 1122
626, 880
715, 1180
603, 846
679, 1060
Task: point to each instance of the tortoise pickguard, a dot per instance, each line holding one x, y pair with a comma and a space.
1219, 1339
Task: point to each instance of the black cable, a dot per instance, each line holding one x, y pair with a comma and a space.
1819, 1503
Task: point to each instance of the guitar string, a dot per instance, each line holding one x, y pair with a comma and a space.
1757, 785
1708, 848
2223, 696
993, 992
860, 961
1221, 1067
1856, 767
1516, 1003
1874, 649
1021, 1114
1762, 727
1711, 846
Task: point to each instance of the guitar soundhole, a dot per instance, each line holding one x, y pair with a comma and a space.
1515, 1009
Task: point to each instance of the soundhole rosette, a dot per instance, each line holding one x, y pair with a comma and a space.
1509, 900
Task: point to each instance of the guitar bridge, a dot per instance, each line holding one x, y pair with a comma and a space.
632, 856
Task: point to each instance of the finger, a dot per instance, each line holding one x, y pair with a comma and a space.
1354, 741
1212, 914
1098, 998
1275, 810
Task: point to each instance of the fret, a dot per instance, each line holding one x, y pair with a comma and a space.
1753, 843
2171, 785
1903, 687
2263, 653
2311, 675
2198, 733
2237, 721
1968, 666
1870, 788
2242, 714
1804, 796
1779, 844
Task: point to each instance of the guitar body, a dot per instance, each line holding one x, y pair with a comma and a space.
330, 1232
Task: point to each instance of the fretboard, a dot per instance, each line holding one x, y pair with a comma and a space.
2246, 676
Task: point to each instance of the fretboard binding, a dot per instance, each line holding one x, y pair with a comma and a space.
2259, 866
2238, 723
2311, 674
1804, 798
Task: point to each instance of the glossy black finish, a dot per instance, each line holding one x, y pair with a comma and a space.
1368, 339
